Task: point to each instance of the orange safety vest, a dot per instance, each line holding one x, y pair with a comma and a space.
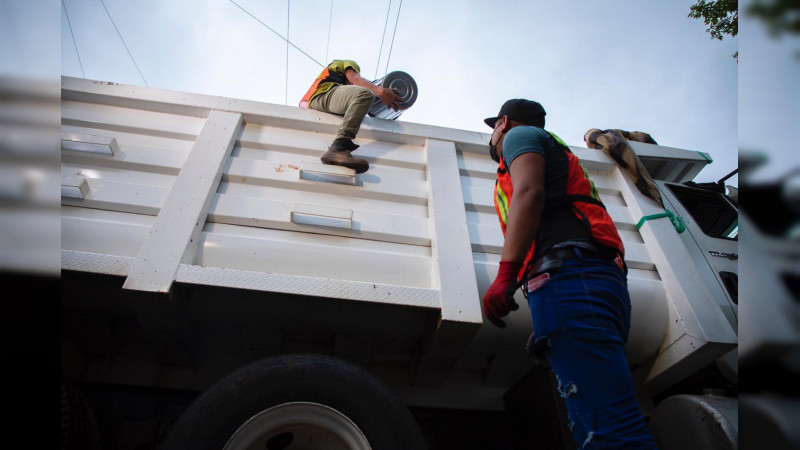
579, 195
325, 77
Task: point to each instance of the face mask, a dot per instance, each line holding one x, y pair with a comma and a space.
493, 150
493, 153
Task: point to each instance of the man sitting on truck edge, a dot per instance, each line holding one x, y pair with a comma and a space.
341, 90
563, 249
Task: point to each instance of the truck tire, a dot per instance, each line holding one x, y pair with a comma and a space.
297, 401
79, 429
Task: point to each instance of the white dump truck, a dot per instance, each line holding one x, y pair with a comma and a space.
223, 289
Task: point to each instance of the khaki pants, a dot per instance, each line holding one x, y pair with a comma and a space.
352, 102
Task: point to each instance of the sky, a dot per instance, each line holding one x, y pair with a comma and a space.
636, 66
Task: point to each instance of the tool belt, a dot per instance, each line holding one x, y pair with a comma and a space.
554, 258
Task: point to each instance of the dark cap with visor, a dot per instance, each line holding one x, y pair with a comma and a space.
520, 110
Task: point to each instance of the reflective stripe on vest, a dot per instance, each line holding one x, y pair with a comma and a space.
581, 196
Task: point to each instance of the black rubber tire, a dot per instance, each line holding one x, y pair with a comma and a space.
218, 412
79, 429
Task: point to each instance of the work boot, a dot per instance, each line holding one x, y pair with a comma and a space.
345, 143
338, 154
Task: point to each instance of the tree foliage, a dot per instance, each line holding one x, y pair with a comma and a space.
721, 17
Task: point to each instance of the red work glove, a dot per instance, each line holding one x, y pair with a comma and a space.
499, 298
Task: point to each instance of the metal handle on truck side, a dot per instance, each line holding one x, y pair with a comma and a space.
322, 216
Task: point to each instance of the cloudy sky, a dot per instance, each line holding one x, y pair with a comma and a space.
624, 64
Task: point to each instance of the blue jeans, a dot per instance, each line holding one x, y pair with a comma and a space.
581, 318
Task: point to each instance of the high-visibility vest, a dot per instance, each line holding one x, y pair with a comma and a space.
572, 210
327, 76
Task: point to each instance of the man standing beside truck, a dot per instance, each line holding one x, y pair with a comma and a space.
563, 249
341, 90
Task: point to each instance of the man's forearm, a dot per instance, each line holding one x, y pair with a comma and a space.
358, 80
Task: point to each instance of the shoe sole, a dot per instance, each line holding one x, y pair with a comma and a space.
360, 166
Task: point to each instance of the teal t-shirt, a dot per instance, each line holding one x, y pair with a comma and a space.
525, 139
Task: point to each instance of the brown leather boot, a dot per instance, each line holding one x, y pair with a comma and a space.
338, 154
347, 144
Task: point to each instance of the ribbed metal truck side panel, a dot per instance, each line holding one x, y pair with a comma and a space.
189, 196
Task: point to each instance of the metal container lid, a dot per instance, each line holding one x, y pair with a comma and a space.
406, 88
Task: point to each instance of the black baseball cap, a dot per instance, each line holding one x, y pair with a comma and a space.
518, 109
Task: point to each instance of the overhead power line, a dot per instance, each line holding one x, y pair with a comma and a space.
380, 50
393, 33
286, 101
276, 33
123, 43
330, 19
73, 38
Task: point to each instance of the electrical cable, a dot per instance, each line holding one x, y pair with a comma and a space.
123, 43
286, 101
393, 33
276, 33
330, 19
73, 38
383, 36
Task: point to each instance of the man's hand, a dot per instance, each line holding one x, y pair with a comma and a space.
390, 98
499, 298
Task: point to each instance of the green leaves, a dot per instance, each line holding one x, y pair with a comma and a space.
721, 16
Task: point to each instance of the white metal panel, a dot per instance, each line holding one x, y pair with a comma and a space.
452, 271
138, 151
114, 118
451, 250
189, 104
130, 159
594, 160
305, 285
363, 224
256, 138
241, 170
314, 255
252, 280
185, 209
261, 186
123, 197
697, 332
119, 175
103, 232
669, 163
387, 249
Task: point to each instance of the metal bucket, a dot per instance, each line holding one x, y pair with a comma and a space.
406, 88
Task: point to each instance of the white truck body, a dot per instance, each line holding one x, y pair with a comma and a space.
212, 224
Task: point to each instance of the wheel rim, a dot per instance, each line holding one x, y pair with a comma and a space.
298, 426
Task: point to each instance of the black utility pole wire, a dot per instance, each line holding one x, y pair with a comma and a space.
73, 38
330, 19
383, 36
276, 33
286, 101
123, 43
393, 33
